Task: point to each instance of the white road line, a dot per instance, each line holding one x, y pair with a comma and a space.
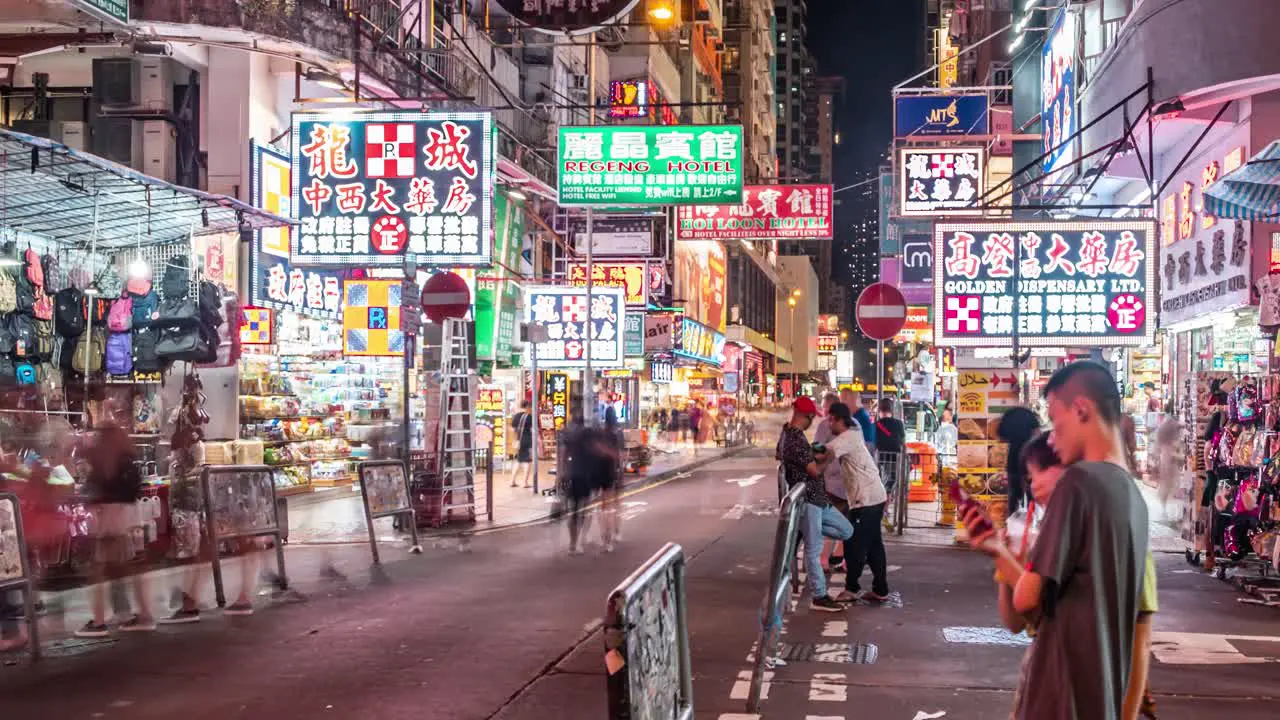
835, 628
1176, 648
738, 716
823, 717
828, 687
742, 688
922, 715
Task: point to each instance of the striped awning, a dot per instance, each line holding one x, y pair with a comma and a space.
1250, 192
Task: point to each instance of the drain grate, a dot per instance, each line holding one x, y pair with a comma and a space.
76, 646
836, 653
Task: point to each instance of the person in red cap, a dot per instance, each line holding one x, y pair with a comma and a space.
821, 518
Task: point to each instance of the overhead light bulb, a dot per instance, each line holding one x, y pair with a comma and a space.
139, 269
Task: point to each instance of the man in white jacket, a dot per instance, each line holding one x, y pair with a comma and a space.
866, 496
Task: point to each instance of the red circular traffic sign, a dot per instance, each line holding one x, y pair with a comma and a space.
881, 311
445, 295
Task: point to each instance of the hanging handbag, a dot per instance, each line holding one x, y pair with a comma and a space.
179, 312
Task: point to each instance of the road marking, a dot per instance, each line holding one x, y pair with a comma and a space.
738, 716
828, 687
1177, 648
984, 636
922, 715
632, 509
734, 513
742, 688
823, 717
835, 628
744, 482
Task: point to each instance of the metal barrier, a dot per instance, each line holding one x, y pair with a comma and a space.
15, 566
384, 488
646, 640
240, 503
783, 579
894, 477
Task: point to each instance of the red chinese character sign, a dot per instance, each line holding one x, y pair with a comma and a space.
941, 181
384, 188
565, 314
1054, 283
767, 212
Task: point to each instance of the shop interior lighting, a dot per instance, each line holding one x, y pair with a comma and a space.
516, 194
661, 11
324, 78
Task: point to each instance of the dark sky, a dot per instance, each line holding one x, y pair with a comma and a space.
873, 45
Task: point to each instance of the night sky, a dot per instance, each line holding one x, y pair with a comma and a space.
873, 45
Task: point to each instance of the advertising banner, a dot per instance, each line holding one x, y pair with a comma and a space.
920, 116
829, 324
386, 188
633, 335
497, 291
828, 343
1205, 261
1058, 90
491, 418
371, 318
555, 393
767, 212
1086, 283
626, 236
941, 181
273, 281
633, 278
659, 332
700, 269
917, 259
698, 342
661, 371
565, 314
650, 165
918, 328
844, 366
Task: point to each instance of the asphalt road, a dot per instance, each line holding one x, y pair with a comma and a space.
506, 626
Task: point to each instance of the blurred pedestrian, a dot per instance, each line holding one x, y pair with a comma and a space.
1084, 576
890, 444
834, 551
863, 417
695, 424
523, 425
581, 464
612, 447
865, 502
114, 487
1170, 452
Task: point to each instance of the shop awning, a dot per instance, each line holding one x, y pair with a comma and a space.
50, 190
1250, 192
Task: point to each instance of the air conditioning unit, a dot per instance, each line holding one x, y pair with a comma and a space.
117, 139
159, 152
579, 89
142, 83
74, 134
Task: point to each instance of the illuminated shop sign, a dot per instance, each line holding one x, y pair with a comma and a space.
698, 342
633, 278
1058, 89
828, 343
767, 212
650, 165
491, 415
384, 188
1078, 283
918, 116
568, 18
371, 318
942, 181
556, 393
565, 314
273, 281
628, 99
661, 371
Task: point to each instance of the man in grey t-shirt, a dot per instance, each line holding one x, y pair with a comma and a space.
1082, 581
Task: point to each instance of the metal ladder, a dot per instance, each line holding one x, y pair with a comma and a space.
457, 456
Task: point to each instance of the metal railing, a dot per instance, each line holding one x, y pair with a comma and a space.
15, 566
894, 476
240, 503
384, 489
646, 642
783, 580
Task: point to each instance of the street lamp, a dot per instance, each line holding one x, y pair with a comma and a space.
791, 302
661, 11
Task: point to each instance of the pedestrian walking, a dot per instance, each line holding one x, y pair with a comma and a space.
695, 424
1084, 576
523, 424
865, 501
610, 473
834, 551
1170, 452
821, 519
114, 486
1017, 427
582, 453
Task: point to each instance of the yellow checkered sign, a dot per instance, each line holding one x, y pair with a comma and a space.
255, 326
371, 318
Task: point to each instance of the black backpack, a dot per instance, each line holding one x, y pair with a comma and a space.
183, 343
68, 312
210, 305
23, 330
145, 358
26, 295
6, 335
177, 278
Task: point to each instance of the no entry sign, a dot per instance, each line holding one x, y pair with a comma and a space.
445, 295
881, 311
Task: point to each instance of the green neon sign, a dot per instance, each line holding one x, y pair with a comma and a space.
650, 165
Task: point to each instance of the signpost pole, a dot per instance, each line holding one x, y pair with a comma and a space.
535, 408
588, 380
879, 373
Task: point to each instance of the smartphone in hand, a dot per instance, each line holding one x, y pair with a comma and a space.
964, 502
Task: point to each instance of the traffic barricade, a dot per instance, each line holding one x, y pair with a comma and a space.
384, 488
783, 580
15, 566
646, 639
240, 504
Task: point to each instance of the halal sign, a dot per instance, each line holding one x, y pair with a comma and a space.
567, 17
